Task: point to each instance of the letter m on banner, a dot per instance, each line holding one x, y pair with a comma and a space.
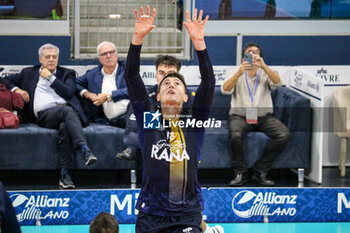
342, 200
127, 202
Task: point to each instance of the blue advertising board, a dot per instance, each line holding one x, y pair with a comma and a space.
221, 205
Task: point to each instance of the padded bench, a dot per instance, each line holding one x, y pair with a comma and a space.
34, 148
31, 147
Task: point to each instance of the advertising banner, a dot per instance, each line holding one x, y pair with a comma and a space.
278, 205
221, 205
147, 73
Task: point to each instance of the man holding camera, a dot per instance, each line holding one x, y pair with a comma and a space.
251, 110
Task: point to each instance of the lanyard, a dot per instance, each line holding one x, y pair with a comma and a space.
256, 84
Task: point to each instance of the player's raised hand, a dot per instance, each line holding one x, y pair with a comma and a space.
195, 28
143, 25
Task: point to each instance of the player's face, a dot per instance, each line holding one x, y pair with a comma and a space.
107, 56
49, 59
163, 70
172, 92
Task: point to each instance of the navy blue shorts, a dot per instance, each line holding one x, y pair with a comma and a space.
147, 223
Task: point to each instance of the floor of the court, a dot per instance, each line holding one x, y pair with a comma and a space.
333, 227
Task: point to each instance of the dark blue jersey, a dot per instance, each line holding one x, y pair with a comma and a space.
8, 219
170, 184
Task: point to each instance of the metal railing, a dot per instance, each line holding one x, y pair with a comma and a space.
94, 21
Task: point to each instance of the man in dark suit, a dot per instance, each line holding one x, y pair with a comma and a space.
49, 93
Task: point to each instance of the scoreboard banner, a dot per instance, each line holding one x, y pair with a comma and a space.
221, 205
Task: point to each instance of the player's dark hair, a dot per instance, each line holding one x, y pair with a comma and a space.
173, 75
168, 61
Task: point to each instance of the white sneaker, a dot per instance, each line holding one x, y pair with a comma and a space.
218, 229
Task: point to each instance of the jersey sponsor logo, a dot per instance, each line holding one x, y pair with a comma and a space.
132, 117
188, 229
161, 151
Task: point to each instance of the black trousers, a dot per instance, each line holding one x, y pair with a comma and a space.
147, 223
271, 126
70, 131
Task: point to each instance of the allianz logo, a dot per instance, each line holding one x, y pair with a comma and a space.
151, 75
246, 204
32, 207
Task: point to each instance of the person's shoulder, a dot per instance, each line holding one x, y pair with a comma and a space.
63, 71
61, 68
94, 70
121, 63
30, 68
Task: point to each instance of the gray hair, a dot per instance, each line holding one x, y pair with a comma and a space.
104, 43
47, 46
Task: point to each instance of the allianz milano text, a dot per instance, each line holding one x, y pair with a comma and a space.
192, 123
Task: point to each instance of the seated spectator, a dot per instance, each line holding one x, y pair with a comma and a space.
104, 223
251, 110
103, 90
8, 219
48, 91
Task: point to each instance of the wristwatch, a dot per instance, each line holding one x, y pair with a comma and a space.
109, 97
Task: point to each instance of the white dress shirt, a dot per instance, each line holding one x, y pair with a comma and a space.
110, 108
45, 96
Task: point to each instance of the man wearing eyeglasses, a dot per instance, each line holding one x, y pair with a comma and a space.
103, 89
49, 93
251, 110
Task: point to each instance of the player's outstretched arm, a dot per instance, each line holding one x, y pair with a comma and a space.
143, 25
195, 29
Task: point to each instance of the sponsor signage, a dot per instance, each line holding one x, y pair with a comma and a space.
278, 205
148, 72
221, 205
73, 207
331, 75
306, 83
